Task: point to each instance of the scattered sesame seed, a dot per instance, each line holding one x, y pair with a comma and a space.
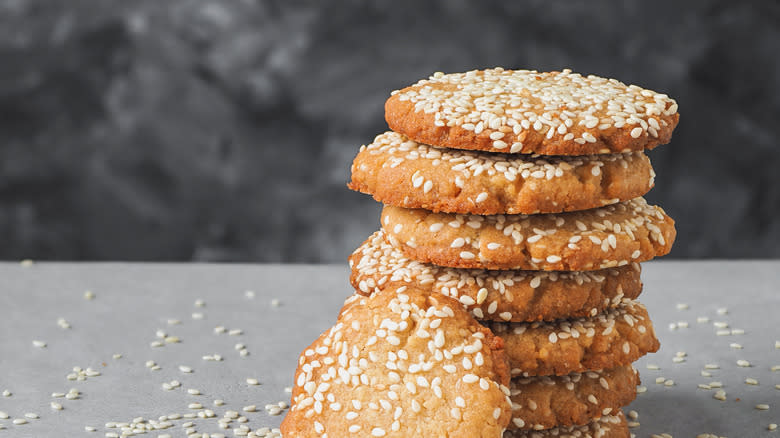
682, 306
751, 381
711, 366
651, 366
56, 406
219, 402
762, 407
116, 356
669, 382
195, 406
275, 302
197, 315
19, 421
772, 426
192, 391
4, 415
702, 319
235, 332
7, 393
200, 303
743, 363
219, 329
89, 295
39, 344
185, 369
252, 381
723, 311
90, 428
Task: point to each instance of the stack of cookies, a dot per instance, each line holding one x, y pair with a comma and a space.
499, 294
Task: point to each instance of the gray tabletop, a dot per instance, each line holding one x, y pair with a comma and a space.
715, 313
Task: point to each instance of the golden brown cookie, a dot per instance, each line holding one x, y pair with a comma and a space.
610, 339
608, 426
401, 363
519, 296
552, 113
605, 237
401, 172
575, 399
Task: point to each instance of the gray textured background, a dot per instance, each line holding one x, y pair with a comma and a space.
223, 130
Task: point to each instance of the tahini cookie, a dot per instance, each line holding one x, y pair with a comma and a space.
605, 237
525, 111
519, 296
608, 426
610, 339
401, 363
400, 172
574, 399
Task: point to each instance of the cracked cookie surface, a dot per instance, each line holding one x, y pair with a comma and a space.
397, 364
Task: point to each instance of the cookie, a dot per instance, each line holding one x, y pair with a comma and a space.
574, 399
519, 296
398, 171
610, 339
549, 113
605, 237
608, 426
401, 363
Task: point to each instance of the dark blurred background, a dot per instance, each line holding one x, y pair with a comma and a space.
223, 130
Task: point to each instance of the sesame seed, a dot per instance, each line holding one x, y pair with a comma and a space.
772, 426
762, 407
482, 197
4, 415
19, 421
470, 378
743, 363
467, 255
185, 369
751, 381
89, 295
252, 381
39, 344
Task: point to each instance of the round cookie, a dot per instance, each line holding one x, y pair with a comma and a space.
605, 237
611, 339
575, 399
397, 364
608, 426
398, 171
550, 113
518, 296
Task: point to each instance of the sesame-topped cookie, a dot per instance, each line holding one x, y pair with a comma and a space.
518, 296
398, 171
605, 237
608, 426
545, 402
525, 111
401, 363
610, 339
